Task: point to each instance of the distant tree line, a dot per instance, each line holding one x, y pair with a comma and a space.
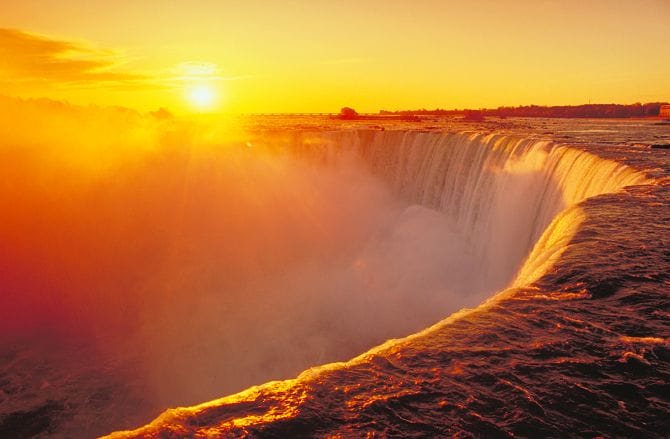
576, 111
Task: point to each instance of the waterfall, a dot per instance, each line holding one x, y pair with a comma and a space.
502, 191
516, 202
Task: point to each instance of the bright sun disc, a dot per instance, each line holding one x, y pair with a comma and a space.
202, 97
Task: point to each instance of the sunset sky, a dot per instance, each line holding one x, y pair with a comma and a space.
317, 56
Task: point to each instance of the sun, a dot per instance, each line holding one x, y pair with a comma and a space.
201, 82
202, 97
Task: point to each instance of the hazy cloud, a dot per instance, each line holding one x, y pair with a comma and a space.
26, 57
32, 59
198, 71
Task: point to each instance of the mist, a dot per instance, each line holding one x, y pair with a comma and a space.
203, 260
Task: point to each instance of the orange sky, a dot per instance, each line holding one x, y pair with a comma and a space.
317, 56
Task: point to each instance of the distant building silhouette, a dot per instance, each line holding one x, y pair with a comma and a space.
664, 111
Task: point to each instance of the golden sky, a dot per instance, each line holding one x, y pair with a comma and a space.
317, 56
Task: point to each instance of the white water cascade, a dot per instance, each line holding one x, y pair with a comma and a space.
500, 191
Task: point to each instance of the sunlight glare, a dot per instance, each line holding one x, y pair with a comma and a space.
202, 97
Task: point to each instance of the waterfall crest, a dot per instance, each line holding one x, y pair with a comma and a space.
502, 191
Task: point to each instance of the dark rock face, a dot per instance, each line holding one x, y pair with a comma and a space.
40, 420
